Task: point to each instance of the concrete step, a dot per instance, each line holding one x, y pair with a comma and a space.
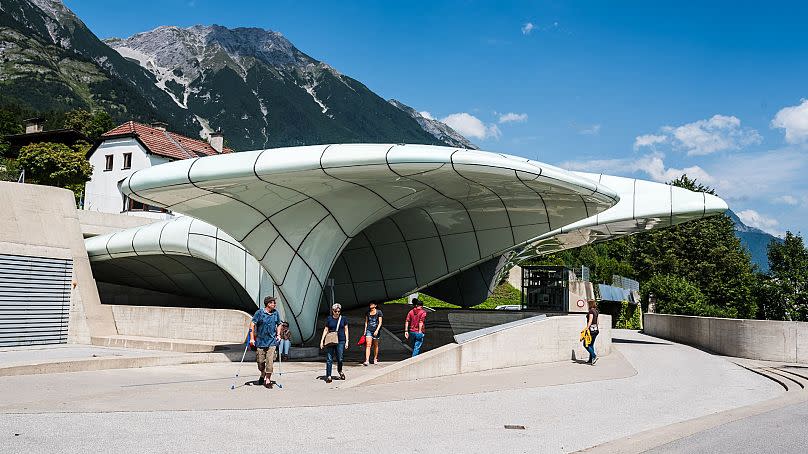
163, 344
791, 378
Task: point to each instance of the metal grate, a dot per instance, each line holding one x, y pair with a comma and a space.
34, 300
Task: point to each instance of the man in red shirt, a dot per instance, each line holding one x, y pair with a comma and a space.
414, 326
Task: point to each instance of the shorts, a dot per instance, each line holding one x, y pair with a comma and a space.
369, 333
264, 356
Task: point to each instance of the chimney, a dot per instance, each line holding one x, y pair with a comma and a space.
216, 140
33, 125
159, 125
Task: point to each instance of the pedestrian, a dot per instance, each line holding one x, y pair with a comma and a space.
334, 340
592, 326
266, 325
414, 326
373, 325
286, 341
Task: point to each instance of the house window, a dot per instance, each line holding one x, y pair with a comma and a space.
134, 205
108, 165
127, 161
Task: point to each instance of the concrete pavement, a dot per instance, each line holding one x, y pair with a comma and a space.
563, 406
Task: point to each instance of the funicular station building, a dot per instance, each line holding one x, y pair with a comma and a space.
376, 221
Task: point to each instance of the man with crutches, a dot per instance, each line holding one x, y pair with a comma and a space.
264, 336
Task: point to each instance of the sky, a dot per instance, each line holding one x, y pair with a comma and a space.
635, 88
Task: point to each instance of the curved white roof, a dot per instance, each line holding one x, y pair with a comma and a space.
384, 220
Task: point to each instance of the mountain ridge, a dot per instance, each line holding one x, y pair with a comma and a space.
251, 83
755, 241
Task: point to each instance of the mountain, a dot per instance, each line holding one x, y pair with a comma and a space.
253, 84
264, 92
49, 60
440, 130
755, 241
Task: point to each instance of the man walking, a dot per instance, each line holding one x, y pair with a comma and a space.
414, 326
266, 324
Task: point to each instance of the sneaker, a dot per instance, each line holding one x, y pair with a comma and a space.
328, 379
594, 360
341, 376
365, 363
269, 385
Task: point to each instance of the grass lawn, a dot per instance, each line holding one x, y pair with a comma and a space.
503, 294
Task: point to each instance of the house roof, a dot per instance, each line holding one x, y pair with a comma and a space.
163, 143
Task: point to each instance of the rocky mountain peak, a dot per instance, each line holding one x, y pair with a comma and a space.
438, 129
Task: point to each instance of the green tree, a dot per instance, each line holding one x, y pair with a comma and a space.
676, 295
56, 164
784, 290
10, 123
91, 124
705, 253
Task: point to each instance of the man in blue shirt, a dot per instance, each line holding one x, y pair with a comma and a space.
266, 326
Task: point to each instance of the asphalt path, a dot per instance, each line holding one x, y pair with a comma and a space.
782, 431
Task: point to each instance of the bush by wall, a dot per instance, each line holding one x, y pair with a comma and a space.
676, 295
624, 314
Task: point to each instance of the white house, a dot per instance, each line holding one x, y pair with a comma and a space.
133, 146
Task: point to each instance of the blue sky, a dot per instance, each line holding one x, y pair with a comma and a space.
643, 89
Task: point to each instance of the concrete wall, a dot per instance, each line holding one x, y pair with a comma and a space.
541, 341
42, 221
97, 223
218, 325
755, 339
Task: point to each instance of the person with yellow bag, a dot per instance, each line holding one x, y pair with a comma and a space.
590, 333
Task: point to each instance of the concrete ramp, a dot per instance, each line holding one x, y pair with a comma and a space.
534, 340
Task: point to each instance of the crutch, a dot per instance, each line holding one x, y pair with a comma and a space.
246, 346
280, 367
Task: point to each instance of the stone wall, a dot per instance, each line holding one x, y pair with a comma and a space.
755, 339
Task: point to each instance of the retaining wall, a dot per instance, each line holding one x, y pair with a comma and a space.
542, 340
217, 325
754, 339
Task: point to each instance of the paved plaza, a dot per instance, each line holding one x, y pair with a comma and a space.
647, 383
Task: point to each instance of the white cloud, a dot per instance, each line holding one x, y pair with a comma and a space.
794, 120
527, 28
787, 200
754, 219
648, 140
718, 133
652, 165
471, 126
513, 117
590, 131
426, 115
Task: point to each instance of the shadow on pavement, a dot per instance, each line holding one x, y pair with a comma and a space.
633, 341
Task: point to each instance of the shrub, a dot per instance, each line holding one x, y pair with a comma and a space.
676, 295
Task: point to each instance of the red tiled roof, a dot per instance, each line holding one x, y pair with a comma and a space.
164, 143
